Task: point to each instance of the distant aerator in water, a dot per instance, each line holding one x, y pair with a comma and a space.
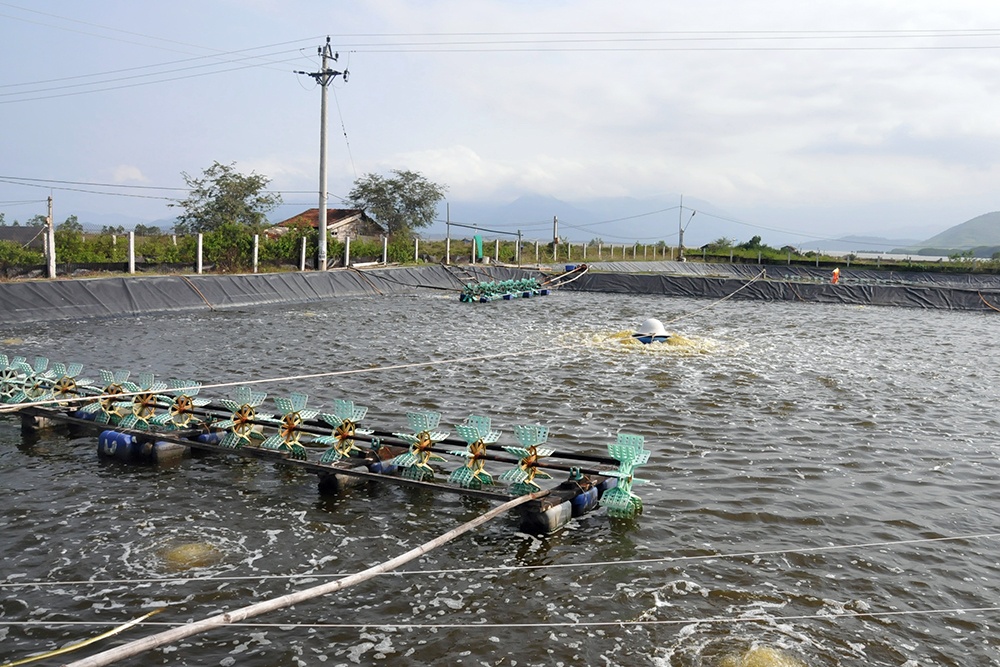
651, 331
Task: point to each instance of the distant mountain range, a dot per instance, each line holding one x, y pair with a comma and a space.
981, 235
612, 220
627, 220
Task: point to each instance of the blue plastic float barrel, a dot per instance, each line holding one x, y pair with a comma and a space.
605, 484
382, 468
214, 438
536, 520
585, 501
330, 484
129, 449
118, 446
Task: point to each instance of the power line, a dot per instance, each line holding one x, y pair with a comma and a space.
517, 41
93, 192
145, 68
9, 179
136, 84
736, 33
447, 49
64, 185
600, 41
215, 52
24, 201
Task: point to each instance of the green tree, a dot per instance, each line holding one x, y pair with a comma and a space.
12, 254
286, 248
110, 230
721, 243
402, 202
71, 224
230, 247
37, 221
144, 230
3, 223
222, 196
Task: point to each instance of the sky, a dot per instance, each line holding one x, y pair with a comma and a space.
865, 117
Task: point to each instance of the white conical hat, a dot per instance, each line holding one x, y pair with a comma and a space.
651, 327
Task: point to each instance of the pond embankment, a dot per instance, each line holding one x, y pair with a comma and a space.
39, 301
946, 291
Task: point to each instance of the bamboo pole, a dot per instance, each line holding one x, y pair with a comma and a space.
175, 634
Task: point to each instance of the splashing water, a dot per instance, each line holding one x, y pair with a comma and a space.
189, 555
676, 345
761, 656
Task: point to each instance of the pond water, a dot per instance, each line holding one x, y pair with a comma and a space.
806, 463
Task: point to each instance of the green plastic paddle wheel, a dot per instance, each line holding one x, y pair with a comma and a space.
111, 406
344, 420
290, 426
522, 478
36, 385
13, 373
183, 409
629, 452
477, 432
68, 384
145, 403
416, 462
243, 423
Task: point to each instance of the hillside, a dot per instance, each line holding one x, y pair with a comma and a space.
983, 230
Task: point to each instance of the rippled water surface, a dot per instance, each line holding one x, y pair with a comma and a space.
805, 458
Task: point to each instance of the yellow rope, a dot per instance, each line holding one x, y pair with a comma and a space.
366, 279
86, 642
987, 302
198, 291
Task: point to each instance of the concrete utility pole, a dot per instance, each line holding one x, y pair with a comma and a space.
50, 245
555, 231
323, 77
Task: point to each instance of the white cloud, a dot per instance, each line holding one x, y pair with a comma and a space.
581, 99
128, 173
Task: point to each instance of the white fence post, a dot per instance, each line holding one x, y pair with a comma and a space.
131, 252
